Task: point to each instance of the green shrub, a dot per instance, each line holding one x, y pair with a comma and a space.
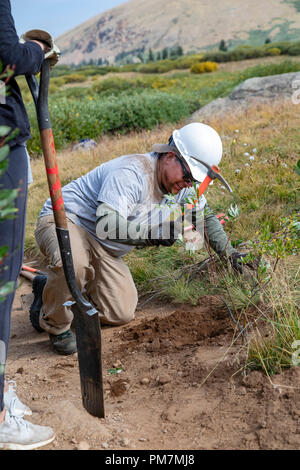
274, 51
286, 66
161, 66
204, 67
294, 49
90, 117
282, 45
115, 85
75, 78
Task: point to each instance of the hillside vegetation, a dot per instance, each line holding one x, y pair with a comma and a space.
84, 105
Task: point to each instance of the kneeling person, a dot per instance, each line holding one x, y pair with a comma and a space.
119, 205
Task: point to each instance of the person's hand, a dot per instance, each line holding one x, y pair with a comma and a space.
44, 39
236, 261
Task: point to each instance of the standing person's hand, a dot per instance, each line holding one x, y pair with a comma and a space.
45, 41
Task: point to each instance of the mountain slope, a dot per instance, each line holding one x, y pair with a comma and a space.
138, 25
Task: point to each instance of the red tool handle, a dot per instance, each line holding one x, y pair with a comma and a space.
204, 185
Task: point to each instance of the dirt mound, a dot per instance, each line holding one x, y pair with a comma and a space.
182, 328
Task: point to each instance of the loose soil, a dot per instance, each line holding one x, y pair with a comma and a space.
180, 384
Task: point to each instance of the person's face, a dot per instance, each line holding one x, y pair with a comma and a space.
171, 174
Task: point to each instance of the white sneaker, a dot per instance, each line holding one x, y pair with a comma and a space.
18, 434
12, 402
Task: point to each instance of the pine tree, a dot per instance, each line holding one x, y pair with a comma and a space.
165, 53
179, 51
222, 46
151, 56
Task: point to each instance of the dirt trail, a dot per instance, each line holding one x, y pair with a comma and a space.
178, 389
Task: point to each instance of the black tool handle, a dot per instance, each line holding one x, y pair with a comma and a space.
87, 325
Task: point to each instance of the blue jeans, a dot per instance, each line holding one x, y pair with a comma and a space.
12, 235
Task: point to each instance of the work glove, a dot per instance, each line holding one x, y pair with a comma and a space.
52, 52
236, 261
162, 241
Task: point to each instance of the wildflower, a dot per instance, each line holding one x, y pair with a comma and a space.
254, 150
285, 165
236, 131
237, 170
247, 164
244, 144
251, 157
246, 154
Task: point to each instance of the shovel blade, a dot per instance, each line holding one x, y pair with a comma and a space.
88, 338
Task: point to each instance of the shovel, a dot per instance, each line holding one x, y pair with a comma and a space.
87, 324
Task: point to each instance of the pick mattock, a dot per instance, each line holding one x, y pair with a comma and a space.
87, 324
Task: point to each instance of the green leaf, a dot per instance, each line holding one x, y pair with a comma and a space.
6, 289
12, 135
3, 251
4, 151
4, 130
7, 196
3, 167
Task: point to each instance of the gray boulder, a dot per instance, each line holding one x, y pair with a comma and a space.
253, 91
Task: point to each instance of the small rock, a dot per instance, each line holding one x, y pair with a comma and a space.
145, 381
142, 439
117, 364
124, 442
105, 445
164, 379
83, 445
20, 370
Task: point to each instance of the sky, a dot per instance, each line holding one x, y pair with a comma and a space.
56, 16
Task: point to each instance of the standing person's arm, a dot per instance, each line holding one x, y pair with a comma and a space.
26, 58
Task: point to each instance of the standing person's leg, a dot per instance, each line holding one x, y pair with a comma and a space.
15, 432
12, 236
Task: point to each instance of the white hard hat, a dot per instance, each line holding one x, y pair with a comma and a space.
201, 142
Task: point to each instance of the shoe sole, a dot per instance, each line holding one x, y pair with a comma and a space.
34, 313
64, 353
34, 320
14, 446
